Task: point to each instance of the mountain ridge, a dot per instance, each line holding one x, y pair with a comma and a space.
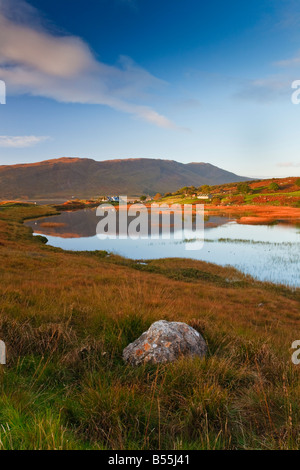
68, 177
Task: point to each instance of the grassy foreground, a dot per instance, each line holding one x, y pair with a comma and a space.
66, 317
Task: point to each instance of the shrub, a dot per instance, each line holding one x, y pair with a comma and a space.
243, 188
273, 186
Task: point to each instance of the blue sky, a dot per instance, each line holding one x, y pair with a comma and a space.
182, 80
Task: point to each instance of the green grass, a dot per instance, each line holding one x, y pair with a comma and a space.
248, 198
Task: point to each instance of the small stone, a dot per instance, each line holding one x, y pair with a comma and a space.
165, 342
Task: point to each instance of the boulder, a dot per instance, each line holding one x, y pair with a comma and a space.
165, 342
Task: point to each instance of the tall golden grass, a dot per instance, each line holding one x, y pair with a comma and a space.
66, 317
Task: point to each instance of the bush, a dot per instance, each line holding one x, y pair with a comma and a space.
274, 186
243, 188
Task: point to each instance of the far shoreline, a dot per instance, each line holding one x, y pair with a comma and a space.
248, 214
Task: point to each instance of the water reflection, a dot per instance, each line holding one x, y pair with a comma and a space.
268, 253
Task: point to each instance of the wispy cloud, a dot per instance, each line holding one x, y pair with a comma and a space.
265, 90
35, 61
289, 164
288, 15
291, 62
21, 141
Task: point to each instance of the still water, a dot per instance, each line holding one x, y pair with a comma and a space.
266, 252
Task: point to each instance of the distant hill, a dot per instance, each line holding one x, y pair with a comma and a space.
84, 178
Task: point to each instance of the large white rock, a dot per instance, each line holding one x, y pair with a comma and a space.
165, 342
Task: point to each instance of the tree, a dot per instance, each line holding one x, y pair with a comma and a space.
143, 198
157, 196
205, 189
273, 186
192, 189
298, 182
188, 190
183, 190
243, 188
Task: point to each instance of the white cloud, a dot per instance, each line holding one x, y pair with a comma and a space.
35, 61
21, 141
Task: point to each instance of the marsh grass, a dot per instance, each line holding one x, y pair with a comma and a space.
66, 317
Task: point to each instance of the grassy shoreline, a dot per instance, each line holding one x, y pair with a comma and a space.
66, 317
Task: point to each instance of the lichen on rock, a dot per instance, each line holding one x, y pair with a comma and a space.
165, 342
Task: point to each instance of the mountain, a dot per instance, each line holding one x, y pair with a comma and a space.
84, 177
